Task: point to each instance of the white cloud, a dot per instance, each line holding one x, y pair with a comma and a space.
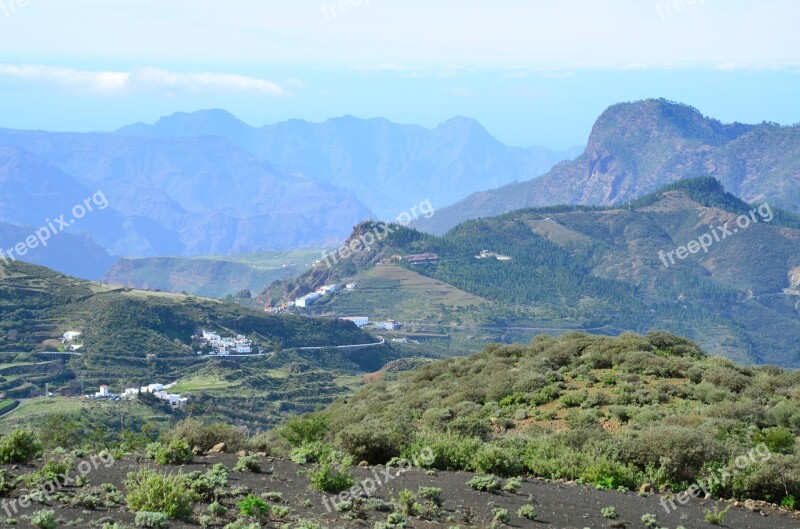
143, 79
204, 82
95, 82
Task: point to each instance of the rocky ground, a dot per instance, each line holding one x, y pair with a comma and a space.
558, 505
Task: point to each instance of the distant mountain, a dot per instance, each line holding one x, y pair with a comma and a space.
602, 269
170, 196
635, 148
389, 167
212, 276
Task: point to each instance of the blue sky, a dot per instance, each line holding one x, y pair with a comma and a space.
534, 72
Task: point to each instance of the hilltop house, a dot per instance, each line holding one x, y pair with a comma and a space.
360, 321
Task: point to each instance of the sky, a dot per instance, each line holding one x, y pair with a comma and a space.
533, 72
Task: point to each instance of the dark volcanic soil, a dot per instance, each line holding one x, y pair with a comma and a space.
558, 506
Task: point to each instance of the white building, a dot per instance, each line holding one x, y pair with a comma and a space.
351, 286
360, 321
71, 335
307, 300
103, 392
327, 289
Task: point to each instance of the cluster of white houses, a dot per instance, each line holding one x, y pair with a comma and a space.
228, 345
158, 390
309, 299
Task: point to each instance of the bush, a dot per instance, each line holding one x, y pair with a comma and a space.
153, 492
609, 512
204, 436
177, 452
779, 440
7, 482
44, 519
485, 483
308, 428
513, 485
253, 506
325, 479
431, 494
372, 441
527, 511
20, 446
155, 520
248, 463
208, 486
497, 458
717, 517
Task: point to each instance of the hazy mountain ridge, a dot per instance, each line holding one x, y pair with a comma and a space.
635, 148
189, 196
387, 165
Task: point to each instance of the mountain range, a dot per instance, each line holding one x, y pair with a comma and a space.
388, 166
635, 148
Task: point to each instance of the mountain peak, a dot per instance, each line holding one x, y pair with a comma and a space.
208, 122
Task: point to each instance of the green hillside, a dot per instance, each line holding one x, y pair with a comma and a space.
38, 305
132, 338
614, 412
598, 269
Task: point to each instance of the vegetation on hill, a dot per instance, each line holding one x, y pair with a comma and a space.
614, 412
38, 304
577, 267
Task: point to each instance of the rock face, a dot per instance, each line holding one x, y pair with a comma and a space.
636, 148
218, 448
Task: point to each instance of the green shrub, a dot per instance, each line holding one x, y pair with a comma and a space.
513, 485
305, 429
649, 520
779, 440
177, 452
280, 511
217, 510
150, 491
431, 494
609, 512
500, 516
208, 486
20, 446
154, 520
7, 482
372, 441
716, 517
204, 436
789, 502
273, 496
44, 519
253, 506
248, 463
325, 478
527, 511
488, 483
